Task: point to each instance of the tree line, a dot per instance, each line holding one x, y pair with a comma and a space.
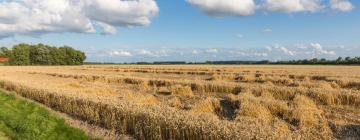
313, 61
323, 61
40, 54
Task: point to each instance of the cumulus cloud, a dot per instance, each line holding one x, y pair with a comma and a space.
271, 52
107, 29
290, 6
212, 50
299, 51
268, 48
120, 53
220, 8
145, 52
341, 5
280, 49
195, 52
242, 53
319, 49
261, 54
154, 53
287, 51
36, 17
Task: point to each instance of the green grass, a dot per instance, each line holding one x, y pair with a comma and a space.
3, 136
21, 119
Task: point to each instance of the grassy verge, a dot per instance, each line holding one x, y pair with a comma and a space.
3, 136
20, 119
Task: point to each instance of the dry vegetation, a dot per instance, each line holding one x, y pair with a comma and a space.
201, 102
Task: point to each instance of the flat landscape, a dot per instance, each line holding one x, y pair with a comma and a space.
200, 101
179, 69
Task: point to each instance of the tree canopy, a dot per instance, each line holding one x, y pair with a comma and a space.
40, 54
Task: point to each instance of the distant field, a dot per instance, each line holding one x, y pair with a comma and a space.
20, 120
200, 101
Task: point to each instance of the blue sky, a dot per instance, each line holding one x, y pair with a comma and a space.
185, 31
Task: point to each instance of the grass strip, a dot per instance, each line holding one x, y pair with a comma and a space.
20, 119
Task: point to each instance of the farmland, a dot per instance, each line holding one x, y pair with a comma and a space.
200, 101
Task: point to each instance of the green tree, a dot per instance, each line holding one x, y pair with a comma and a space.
80, 57
40, 55
72, 56
347, 60
339, 60
20, 55
357, 60
322, 61
5, 52
314, 61
58, 57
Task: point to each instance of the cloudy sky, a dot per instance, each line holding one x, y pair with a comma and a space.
186, 30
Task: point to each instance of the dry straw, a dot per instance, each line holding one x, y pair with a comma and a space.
149, 122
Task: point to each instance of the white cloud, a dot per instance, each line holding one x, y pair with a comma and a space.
220, 8
121, 12
319, 49
269, 52
239, 53
341, 5
161, 53
212, 50
301, 51
282, 50
157, 53
268, 48
316, 46
287, 51
120, 53
290, 6
146, 52
107, 29
195, 52
301, 46
312, 49
260, 54
36, 17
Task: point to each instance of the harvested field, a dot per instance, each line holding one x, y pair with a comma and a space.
200, 101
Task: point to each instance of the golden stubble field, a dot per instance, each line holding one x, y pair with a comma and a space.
200, 101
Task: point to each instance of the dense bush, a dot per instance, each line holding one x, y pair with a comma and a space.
40, 54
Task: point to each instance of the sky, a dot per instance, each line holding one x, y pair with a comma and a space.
186, 30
